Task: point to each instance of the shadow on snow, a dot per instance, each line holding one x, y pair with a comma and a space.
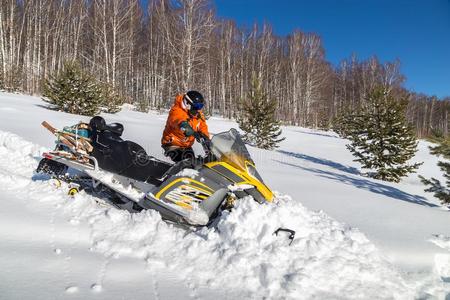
331, 135
322, 161
360, 183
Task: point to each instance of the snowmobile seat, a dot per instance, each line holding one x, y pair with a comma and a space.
111, 131
115, 128
125, 158
98, 124
144, 167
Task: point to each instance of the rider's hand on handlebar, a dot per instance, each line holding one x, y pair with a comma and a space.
204, 140
201, 138
207, 143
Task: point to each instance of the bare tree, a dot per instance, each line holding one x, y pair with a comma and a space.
181, 44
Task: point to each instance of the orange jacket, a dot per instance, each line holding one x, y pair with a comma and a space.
173, 135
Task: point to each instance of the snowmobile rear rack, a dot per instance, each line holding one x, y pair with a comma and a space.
71, 140
72, 161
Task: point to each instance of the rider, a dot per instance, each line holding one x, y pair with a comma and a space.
185, 123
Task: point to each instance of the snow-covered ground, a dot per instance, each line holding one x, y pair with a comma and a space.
357, 238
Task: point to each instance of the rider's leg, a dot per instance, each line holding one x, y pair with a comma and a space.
177, 154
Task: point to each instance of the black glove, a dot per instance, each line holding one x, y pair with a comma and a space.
207, 143
186, 128
200, 137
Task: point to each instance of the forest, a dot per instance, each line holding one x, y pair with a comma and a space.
149, 54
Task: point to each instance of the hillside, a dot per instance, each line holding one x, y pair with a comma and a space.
356, 237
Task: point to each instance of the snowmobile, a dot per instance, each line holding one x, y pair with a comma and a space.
94, 157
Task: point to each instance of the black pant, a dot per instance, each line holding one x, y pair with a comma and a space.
179, 154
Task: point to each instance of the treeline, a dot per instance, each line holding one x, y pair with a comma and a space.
150, 54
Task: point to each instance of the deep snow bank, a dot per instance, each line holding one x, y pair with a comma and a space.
325, 260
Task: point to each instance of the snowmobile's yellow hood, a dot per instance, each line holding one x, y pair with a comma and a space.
241, 176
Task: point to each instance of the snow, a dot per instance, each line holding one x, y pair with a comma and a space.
356, 238
188, 173
239, 187
441, 241
107, 177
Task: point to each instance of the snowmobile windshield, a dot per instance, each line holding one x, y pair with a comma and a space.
229, 147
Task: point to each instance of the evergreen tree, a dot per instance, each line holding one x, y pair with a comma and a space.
142, 105
111, 100
74, 91
257, 118
442, 192
380, 137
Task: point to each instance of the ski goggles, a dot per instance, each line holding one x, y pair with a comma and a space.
193, 105
197, 106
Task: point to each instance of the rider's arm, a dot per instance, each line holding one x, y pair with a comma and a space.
176, 117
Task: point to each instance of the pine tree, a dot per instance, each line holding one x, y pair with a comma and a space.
142, 105
257, 118
74, 91
111, 100
380, 138
442, 192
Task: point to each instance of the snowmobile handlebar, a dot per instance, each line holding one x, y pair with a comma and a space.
204, 141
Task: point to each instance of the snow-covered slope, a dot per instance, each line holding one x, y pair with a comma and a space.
357, 238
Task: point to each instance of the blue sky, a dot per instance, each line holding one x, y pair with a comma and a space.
415, 31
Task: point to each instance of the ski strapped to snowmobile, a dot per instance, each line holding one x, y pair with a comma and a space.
95, 157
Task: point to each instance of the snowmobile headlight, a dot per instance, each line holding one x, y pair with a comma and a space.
230, 201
